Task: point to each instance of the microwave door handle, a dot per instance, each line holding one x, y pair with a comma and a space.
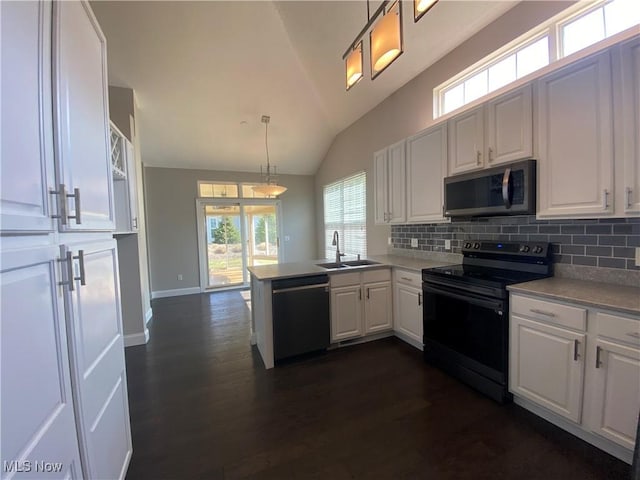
493, 305
506, 180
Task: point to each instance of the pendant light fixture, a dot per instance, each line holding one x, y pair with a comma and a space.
354, 66
386, 40
269, 186
420, 7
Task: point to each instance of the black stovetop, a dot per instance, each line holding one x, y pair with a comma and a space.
483, 275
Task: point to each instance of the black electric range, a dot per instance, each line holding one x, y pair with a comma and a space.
466, 310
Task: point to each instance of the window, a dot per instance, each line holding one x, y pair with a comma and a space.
572, 30
227, 190
345, 211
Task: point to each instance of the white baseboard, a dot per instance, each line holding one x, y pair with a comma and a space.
254, 338
136, 338
175, 293
148, 315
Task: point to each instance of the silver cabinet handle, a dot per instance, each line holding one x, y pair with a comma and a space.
368, 297
478, 157
76, 198
62, 203
70, 273
634, 334
629, 195
490, 155
576, 345
598, 362
542, 312
135, 223
406, 279
506, 179
359, 294
82, 277
63, 212
419, 299
605, 198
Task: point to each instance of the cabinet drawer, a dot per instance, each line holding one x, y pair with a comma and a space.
619, 328
376, 275
555, 313
344, 279
408, 278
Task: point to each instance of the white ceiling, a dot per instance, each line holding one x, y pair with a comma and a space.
205, 72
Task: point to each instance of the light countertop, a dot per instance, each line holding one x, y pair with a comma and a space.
618, 298
300, 269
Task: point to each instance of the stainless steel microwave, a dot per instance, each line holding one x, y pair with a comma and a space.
509, 189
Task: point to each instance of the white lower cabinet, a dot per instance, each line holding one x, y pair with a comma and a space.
38, 423
581, 364
407, 303
361, 304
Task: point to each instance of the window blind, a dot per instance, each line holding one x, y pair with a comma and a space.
345, 211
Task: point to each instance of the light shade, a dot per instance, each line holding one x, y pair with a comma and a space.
269, 189
353, 65
420, 7
386, 40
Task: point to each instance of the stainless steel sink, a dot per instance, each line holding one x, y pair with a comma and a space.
360, 263
331, 265
348, 263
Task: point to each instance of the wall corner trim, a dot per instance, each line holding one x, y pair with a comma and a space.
136, 338
148, 315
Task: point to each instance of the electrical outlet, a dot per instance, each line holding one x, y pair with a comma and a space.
179, 276
637, 256
414, 243
287, 238
447, 244
389, 241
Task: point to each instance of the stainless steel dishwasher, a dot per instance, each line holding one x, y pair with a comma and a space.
301, 322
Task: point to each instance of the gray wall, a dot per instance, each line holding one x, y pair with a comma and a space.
171, 221
410, 110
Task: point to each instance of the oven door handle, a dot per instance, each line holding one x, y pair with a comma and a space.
496, 305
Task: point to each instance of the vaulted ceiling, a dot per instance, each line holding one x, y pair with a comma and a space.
205, 72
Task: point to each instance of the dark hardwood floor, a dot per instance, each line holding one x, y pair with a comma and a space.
203, 406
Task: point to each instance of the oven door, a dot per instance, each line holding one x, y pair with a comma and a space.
466, 331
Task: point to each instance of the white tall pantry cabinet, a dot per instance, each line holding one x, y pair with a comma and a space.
63, 381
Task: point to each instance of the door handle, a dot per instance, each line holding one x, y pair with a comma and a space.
490, 155
368, 297
76, 198
80, 258
419, 299
478, 157
598, 362
70, 273
605, 199
576, 346
629, 196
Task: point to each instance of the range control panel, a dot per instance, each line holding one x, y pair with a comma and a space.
529, 249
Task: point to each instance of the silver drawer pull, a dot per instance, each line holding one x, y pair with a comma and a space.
407, 279
76, 198
634, 334
598, 362
629, 196
542, 312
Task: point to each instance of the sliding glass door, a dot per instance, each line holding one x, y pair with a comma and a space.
235, 235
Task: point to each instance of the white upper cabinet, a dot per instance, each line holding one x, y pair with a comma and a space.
426, 168
575, 140
389, 181
125, 190
630, 123
466, 141
510, 127
81, 120
27, 146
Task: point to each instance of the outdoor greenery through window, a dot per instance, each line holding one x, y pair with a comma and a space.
345, 211
569, 33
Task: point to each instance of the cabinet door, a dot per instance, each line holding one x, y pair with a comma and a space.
132, 183
27, 147
426, 169
630, 113
81, 117
546, 366
510, 127
575, 135
346, 313
37, 421
615, 392
466, 141
97, 351
408, 308
381, 180
378, 311
397, 196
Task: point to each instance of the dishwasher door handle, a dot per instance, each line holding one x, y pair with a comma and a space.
305, 287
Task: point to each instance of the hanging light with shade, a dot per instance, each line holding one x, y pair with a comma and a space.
420, 7
354, 66
386, 39
269, 186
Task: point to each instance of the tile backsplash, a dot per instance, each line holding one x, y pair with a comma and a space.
607, 242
